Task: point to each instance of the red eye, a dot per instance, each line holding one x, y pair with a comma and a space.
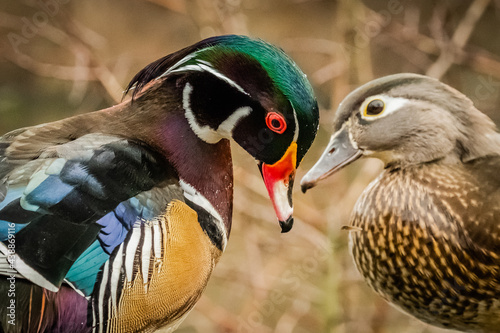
276, 122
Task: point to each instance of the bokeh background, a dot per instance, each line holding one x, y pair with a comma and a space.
63, 57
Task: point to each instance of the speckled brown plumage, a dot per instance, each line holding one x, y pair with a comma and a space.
429, 242
425, 234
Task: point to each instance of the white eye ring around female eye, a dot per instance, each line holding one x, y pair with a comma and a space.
391, 104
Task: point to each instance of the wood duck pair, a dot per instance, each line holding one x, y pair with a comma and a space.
425, 234
113, 221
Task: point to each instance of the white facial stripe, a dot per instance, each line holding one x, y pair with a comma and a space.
206, 133
204, 62
177, 64
225, 129
211, 70
201, 66
173, 68
197, 198
187, 68
392, 104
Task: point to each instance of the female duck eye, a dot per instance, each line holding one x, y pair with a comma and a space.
276, 122
374, 108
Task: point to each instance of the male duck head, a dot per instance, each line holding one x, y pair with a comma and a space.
405, 119
246, 89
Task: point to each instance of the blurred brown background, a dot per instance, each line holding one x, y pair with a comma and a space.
63, 57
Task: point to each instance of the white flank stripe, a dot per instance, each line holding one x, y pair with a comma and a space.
115, 277
146, 255
100, 303
194, 196
94, 319
130, 251
157, 239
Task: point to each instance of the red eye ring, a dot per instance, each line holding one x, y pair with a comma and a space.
276, 122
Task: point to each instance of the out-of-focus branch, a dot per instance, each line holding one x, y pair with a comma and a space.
288, 321
459, 39
218, 17
72, 37
217, 314
69, 73
178, 6
418, 47
330, 71
59, 72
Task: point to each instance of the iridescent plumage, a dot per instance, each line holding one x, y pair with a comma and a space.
120, 215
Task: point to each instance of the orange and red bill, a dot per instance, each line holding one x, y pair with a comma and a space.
278, 178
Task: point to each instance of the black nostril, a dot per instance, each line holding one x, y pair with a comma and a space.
331, 151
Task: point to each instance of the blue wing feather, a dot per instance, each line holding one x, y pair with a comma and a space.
12, 194
47, 194
77, 210
115, 227
83, 274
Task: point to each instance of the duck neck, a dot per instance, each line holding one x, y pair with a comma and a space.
204, 169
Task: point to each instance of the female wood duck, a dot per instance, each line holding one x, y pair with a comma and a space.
426, 233
112, 221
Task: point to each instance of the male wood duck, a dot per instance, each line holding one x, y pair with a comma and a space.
113, 221
425, 234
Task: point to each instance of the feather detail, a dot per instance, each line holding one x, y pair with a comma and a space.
66, 196
96, 201
157, 68
173, 283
